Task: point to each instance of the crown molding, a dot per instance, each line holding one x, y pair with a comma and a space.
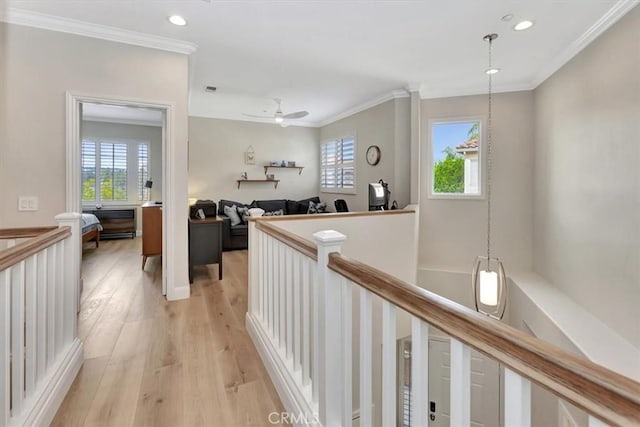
71, 26
394, 94
607, 20
137, 122
453, 92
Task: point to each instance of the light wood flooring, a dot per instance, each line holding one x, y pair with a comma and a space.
150, 362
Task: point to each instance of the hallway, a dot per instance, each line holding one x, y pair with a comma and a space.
156, 363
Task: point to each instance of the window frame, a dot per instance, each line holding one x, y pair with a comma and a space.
481, 159
341, 190
132, 171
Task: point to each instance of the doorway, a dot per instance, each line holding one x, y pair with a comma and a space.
76, 182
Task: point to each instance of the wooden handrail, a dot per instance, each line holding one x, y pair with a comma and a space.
11, 256
24, 232
611, 397
300, 244
329, 215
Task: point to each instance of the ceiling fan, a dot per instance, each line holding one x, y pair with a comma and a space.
279, 116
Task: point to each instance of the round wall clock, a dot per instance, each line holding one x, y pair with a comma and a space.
373, 155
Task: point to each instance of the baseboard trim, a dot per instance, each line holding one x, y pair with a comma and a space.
291, 396
56, 386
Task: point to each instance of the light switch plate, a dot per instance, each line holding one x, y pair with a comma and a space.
27, 203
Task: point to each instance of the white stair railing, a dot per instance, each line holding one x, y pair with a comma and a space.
40, 353
286, 270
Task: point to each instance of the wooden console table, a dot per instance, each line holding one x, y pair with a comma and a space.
205, 243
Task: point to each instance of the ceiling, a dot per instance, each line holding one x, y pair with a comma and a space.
332, 58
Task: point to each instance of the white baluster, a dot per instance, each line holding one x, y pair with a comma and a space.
31, 307
270, 281
42, 288
5, 346
460, 384
517, 400
306, 321
388, 364
59, 305
347, 347
419, 372
282, 292
52, 257
366, 347
17, 337
297, 307
288, 265
263, 273
330, 330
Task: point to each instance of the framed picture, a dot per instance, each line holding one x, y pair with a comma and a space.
291, 164
250, 156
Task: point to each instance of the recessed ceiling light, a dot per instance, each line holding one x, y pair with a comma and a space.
508, 17
492, 70
178, 20
523, 25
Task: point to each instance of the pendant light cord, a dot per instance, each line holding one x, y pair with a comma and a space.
490, 39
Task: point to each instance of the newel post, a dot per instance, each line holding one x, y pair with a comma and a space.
328, 293
73, 247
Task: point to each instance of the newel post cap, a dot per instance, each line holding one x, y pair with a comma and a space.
327, 237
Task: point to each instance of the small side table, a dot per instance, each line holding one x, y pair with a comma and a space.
205, 243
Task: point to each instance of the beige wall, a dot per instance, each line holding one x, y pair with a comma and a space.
587, 179
387, 126
453, 232
216, 160
37, 68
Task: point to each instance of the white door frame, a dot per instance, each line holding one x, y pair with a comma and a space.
74, 180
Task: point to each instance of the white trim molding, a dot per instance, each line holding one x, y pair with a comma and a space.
395, 94
29, 18
172, 212
607, 20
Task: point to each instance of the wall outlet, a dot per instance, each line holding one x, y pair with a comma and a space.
27, 203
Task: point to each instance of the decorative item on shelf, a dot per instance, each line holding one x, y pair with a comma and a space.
271, 177
291, 164
283, 164
275, 163
250, 156
488, 279
243, 175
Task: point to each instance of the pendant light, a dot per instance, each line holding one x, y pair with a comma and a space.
488, 278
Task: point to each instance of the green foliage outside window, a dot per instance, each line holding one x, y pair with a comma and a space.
448, 174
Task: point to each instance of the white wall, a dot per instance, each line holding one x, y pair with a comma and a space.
37, 68
152, 134
387, 126
216, 160
587, 179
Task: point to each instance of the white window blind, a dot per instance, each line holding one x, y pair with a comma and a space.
114, 170
143, 171
338, 166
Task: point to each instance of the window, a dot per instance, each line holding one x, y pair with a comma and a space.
109, 172
338, 165
454, 159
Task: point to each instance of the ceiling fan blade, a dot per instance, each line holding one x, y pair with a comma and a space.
296, 115
257, 117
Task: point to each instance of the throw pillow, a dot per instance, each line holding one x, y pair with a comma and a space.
275, 213
243, 211
256, 212
232, 213
317, 207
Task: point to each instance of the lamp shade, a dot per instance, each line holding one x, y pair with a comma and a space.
489, 287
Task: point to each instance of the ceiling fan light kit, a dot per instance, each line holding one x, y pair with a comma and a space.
279, 117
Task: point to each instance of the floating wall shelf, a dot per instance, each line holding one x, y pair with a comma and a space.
274, 181
267, 167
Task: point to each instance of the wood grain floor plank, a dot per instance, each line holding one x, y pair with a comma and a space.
153, 362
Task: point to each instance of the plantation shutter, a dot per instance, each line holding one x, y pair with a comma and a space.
143, 171
337, 171
113, 171
88, 170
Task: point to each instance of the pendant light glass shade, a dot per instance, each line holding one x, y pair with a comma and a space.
488, 280
489, 286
